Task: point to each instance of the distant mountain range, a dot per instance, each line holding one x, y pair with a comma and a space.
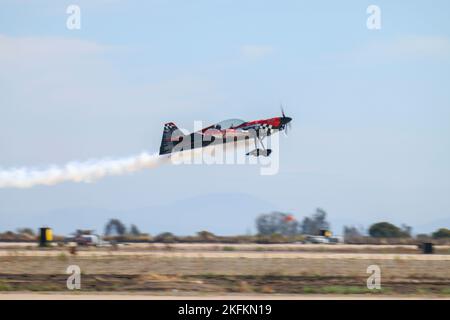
222, 214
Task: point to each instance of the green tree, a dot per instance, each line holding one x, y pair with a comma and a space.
318, 221
206, 235
353, 232
441, 233
166, 237
276, 222
80, 232
134, 230
387, 230
28, 231
115, 226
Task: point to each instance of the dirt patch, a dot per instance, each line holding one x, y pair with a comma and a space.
224, 272
224, 284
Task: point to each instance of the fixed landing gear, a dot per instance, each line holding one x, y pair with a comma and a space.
260, 152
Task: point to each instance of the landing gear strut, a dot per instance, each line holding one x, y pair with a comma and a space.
259, 152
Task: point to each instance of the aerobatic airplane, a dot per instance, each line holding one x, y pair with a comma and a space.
232, 130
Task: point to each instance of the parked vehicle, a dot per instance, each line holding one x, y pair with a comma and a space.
86, 240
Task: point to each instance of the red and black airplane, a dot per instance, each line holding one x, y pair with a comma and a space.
232, 130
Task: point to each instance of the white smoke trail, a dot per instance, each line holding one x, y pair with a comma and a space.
78, 171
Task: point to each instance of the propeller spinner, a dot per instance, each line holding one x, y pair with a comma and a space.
285, 121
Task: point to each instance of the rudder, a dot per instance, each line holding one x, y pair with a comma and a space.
169, 138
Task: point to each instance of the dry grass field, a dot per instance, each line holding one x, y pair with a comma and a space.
218, 269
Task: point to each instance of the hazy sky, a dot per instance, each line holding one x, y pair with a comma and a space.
371, 108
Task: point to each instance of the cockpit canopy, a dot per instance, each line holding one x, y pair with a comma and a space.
228, 124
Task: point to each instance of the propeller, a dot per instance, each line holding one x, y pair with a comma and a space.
286, 121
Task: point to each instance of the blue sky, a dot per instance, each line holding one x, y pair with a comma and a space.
371, 109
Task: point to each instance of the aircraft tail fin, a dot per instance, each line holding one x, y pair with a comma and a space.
170, 138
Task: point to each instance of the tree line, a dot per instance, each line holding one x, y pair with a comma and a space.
285, 224
274, 223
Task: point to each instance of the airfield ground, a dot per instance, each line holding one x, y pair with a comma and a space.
223, 270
